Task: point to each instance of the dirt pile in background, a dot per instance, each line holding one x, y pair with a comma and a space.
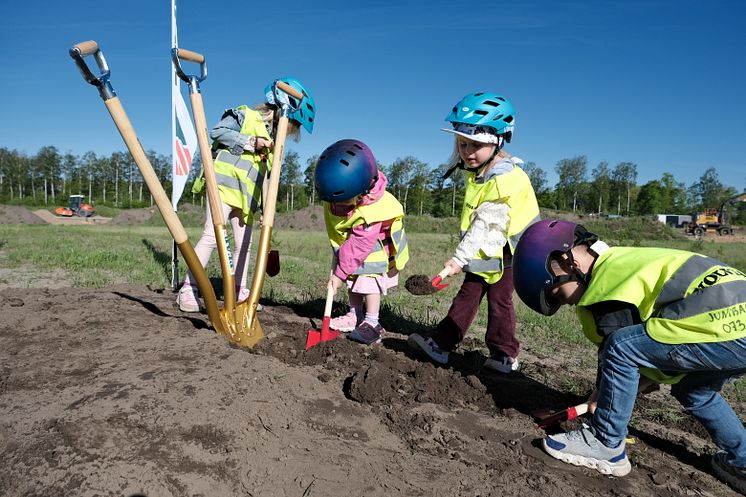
13, 214
309, 218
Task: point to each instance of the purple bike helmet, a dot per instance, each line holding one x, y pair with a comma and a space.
532, 277
346, 168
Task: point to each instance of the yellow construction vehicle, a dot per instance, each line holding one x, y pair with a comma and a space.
714, 220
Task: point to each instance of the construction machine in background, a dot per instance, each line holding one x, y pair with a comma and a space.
714, 220
76, 207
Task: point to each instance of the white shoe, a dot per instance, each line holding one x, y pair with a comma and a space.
187, 299
429, 347
244, 294
503, 365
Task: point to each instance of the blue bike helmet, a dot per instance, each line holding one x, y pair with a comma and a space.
345, 169
483, 110
532, 277
303, 112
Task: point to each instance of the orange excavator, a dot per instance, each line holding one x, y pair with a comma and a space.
76, 207
714, 220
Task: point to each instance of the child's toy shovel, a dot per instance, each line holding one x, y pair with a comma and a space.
419, 284
316, 336
562, 416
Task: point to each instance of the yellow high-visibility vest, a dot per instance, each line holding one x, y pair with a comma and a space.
386, 210
682, 297
240, 177
512, 188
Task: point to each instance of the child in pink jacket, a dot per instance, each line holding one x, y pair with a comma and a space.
365, 228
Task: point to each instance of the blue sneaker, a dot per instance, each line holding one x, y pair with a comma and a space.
367, 333
581, 448
732, 475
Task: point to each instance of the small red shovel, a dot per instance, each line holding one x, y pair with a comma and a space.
315, 336
436, 282
562, 416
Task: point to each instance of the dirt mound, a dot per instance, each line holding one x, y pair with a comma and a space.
116, 392
134, 216
309, 218
13, 214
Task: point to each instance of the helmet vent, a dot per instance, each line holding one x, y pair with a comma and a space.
357, 146
350, 152
478, 93
344, 162
481, 112
508, 119
492, 103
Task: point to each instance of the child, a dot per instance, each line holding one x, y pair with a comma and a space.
670, 315
364, 224
499, 204
242, 151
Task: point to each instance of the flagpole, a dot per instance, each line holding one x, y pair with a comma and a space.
174, 83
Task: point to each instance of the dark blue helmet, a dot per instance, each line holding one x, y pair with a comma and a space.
345, 169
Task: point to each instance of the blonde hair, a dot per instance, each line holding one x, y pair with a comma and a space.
271, 115
456, 158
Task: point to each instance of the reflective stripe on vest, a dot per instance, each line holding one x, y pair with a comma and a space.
240, 177
512, 188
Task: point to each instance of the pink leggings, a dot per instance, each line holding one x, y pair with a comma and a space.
241, 244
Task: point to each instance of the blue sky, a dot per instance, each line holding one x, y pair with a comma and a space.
658, 83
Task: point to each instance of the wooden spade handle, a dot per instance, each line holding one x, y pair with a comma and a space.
289, 90
190, 56
86, 47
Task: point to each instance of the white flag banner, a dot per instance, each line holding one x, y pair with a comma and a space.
184, 138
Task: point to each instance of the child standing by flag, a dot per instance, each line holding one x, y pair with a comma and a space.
242, 149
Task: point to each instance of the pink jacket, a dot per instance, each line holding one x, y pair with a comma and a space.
362, 239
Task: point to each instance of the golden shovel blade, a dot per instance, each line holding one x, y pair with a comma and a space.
241, 325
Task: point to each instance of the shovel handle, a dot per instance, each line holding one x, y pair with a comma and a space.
86, 47
289, 90
564, 415
190, 56
329, 301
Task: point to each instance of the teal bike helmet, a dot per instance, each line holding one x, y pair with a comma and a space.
345, 170
303, 111
484, 109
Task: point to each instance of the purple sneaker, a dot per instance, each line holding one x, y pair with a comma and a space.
367, 333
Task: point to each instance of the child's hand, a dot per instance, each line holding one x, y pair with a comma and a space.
453, 267
592, 402
335, 282
262, 143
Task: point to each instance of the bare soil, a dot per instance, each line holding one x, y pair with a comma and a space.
115, 392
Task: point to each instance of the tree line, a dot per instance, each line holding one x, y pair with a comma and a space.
49, 177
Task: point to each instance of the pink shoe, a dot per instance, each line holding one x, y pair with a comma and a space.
346, 323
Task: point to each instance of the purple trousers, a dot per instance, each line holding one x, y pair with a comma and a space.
500, 337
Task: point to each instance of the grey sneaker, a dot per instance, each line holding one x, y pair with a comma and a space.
503, 364
367, 333
581, 448
732, 475
429, 347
